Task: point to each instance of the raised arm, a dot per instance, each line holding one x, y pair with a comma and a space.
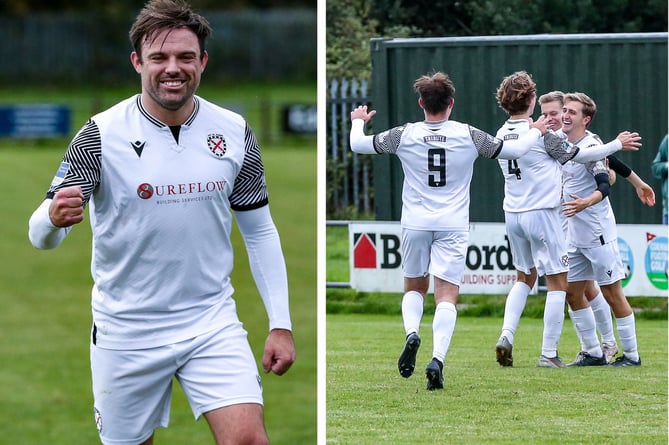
563, 151
360, 143
626, 140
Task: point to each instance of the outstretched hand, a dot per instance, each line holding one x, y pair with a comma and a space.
361, 113
630, 140
279, 352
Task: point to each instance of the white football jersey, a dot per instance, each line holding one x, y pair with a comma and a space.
595, 225
438, 160
156, 281
533, 181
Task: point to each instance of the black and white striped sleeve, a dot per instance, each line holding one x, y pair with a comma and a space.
388, 141
81, 162
486, 145
250, 189
80, 166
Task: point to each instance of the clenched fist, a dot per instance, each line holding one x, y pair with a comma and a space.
67, 207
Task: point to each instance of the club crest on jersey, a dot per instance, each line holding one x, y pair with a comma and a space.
217, 145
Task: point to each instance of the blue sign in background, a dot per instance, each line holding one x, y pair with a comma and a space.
299, 118
27, 121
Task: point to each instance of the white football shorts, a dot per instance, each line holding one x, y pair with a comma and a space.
537, 240
132, 389
601, 263
441, 254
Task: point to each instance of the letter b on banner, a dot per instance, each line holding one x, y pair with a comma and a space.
392, 257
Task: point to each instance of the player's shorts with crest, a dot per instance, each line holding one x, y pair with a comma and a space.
537, 240
601, 263
133, 388
441, 254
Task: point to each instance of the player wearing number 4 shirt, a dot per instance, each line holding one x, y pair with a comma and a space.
437, 157
532, 200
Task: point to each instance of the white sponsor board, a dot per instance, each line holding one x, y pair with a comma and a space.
376, 258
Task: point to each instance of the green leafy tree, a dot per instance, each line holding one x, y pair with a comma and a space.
348, 31
423, 18
351, 23
132, 6
497, 17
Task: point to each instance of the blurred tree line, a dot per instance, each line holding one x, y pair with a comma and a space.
76, 41
351, 23
123, 7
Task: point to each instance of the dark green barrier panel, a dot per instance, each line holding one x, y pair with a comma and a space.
625, 74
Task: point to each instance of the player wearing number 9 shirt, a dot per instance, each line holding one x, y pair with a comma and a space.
437, 157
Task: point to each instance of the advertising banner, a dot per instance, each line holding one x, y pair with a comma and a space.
376, 258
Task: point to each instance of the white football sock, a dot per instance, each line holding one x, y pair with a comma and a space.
513, 309
627, 333
573, 323
553, 322
584, 321
412, 311
442, 329
603, 318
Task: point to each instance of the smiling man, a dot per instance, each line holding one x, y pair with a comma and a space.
593, 245
162, 173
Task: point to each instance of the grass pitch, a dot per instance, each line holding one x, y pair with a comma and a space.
369, 403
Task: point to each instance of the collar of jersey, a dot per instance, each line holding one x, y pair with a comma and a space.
581, 139
435, 122
518, 121
158, 122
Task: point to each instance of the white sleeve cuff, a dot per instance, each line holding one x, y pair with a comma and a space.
41, 231
359, 142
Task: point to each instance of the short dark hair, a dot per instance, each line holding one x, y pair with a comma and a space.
515, 93
436, 90
158, 15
